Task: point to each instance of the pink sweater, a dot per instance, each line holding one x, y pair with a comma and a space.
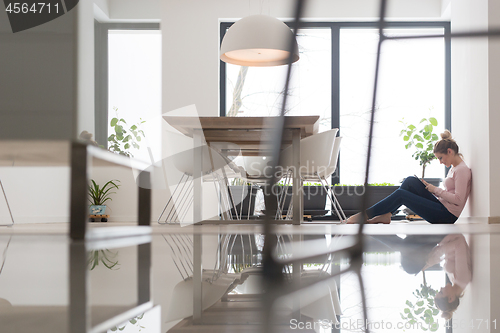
456, 189
457, 259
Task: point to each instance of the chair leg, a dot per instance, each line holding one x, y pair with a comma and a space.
241, 201
172, 197
226, 198
249, 201
7, 203
186, 203
282, 197
333, 200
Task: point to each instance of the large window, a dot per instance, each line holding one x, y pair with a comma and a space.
334, 79
258, 91
128, 75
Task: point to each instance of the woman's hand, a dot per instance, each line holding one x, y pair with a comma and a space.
429, 187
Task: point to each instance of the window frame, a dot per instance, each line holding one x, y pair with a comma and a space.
335, 63
101, 75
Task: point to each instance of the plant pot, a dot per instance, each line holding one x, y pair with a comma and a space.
350, 197
97, 209
434, 181
238, 192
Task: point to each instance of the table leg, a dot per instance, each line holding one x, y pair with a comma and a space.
79, 308
79, 191
197, 176
144, 194
297, 196
197, 279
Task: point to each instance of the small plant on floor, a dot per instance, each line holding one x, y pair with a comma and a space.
99, 195
125, 138
105, 257
134, 321
421, 139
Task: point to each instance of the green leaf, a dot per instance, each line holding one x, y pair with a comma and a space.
135, 145
133, 321
406, 138
411, 127
435, 312
118, 129
114, 121
123, 120
406, 310
418, 137
420, 303
434, 327
419, 311
402, 316
133, 127
128, 137
119, 136
408, 145
127, 146
419, 145
434, 137
138, 138
433, 121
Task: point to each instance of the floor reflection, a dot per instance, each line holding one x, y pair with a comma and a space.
411, 282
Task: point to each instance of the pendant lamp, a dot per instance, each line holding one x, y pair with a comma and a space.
258, 40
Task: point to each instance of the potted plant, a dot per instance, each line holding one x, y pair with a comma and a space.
421, 140
423, 310
98, 196
104, 256
125, 138
349, 196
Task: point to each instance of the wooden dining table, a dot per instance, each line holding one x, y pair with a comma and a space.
246, 136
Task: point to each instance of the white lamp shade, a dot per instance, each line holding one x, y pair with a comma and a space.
258, 40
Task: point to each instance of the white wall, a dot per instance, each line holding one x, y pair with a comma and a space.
85, 67
480, 300
475, 100
494, 106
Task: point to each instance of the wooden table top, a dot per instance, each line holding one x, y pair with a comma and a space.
251, 134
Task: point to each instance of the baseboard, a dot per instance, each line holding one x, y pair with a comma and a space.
40, 219
494, 220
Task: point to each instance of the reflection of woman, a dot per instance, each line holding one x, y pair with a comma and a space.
433, 204
457, 264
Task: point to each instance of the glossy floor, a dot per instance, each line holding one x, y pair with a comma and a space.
36, 260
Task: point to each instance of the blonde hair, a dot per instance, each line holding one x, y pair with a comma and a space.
446, 142
447, 308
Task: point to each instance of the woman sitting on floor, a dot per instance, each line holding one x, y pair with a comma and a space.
432, 203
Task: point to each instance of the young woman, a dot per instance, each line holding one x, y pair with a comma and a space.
433, 204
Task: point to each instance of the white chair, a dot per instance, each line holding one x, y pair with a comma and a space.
254, 170
315, 156
327, 172
181, 156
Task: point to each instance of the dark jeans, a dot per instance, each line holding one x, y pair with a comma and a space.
412, 194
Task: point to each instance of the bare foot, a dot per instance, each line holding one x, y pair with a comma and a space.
385, 219
354, 219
